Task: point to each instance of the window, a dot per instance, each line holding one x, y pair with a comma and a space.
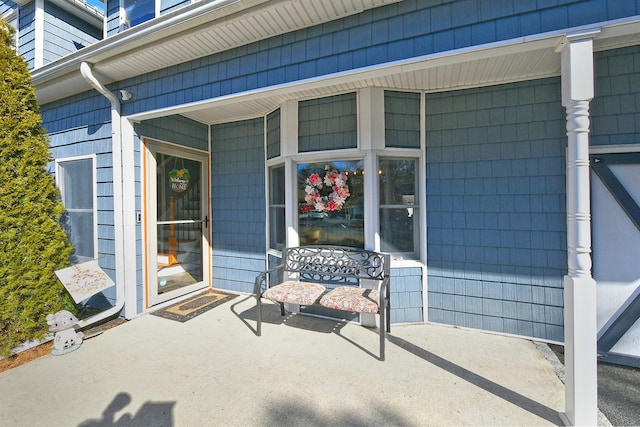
331, 203
277, 226
399, 219
76, 183
135, 12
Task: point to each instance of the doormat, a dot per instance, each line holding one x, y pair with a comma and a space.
192, 307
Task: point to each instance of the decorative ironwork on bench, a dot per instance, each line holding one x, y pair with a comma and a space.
330, 277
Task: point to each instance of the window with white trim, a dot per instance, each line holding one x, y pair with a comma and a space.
331, 203
277, 226
76, 181
399, 206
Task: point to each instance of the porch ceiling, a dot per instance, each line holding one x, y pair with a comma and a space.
438, 73
516, 60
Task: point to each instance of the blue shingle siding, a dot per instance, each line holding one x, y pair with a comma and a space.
615, 111
273, 134
402, 119
496, 228
7, 7
329, 123
112, 13
176, 129
65, 33
238, 204
70, 136
399, 31
406, 295
26, 34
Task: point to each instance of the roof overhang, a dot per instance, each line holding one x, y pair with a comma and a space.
205, 29
201, 29
514, 60
83, 11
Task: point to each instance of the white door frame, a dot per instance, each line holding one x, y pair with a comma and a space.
151, 149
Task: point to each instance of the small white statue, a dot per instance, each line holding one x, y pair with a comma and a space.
66, 338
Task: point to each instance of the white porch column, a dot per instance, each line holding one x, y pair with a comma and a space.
580, 329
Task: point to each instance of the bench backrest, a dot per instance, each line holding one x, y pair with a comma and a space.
335, 264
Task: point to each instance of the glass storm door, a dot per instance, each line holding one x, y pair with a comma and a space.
178, 225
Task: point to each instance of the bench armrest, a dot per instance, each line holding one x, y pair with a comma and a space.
383, 289
262, 279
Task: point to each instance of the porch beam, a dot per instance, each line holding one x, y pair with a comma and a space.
581, 385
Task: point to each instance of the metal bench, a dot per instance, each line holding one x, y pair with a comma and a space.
338, 278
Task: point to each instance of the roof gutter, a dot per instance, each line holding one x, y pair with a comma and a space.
156, 28
118, 183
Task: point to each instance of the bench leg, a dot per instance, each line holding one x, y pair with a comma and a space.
383, 329
259, 315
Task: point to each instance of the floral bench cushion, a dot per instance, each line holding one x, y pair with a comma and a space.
354, 299
295, 292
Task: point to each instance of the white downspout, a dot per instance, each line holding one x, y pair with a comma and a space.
116, 148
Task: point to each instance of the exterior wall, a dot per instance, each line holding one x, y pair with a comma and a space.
615, 110
403, 30
112, 13
496, 225
176, 129
26, 34
496, 252
7, 7
238, 204
78, 126
65, 33
406, 295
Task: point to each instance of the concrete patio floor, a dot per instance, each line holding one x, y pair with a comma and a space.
214, 371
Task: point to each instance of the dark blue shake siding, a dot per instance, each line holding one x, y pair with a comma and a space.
238, 217
391, 33
496, 224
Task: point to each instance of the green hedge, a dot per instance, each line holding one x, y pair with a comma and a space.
33, 243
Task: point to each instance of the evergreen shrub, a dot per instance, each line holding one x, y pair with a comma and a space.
33, 243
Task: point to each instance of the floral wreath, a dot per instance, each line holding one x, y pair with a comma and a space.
327, 193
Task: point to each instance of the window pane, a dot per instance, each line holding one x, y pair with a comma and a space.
277, 225
77, 188
397, 181
397, 230
276, 182
399, 225
277, 235
138, 11
79, 227
331, 214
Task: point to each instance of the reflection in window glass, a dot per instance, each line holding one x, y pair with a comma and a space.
76, 188
138, 11
399, 219
331, 203
277, 234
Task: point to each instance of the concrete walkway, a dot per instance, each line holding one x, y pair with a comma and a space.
214, 371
